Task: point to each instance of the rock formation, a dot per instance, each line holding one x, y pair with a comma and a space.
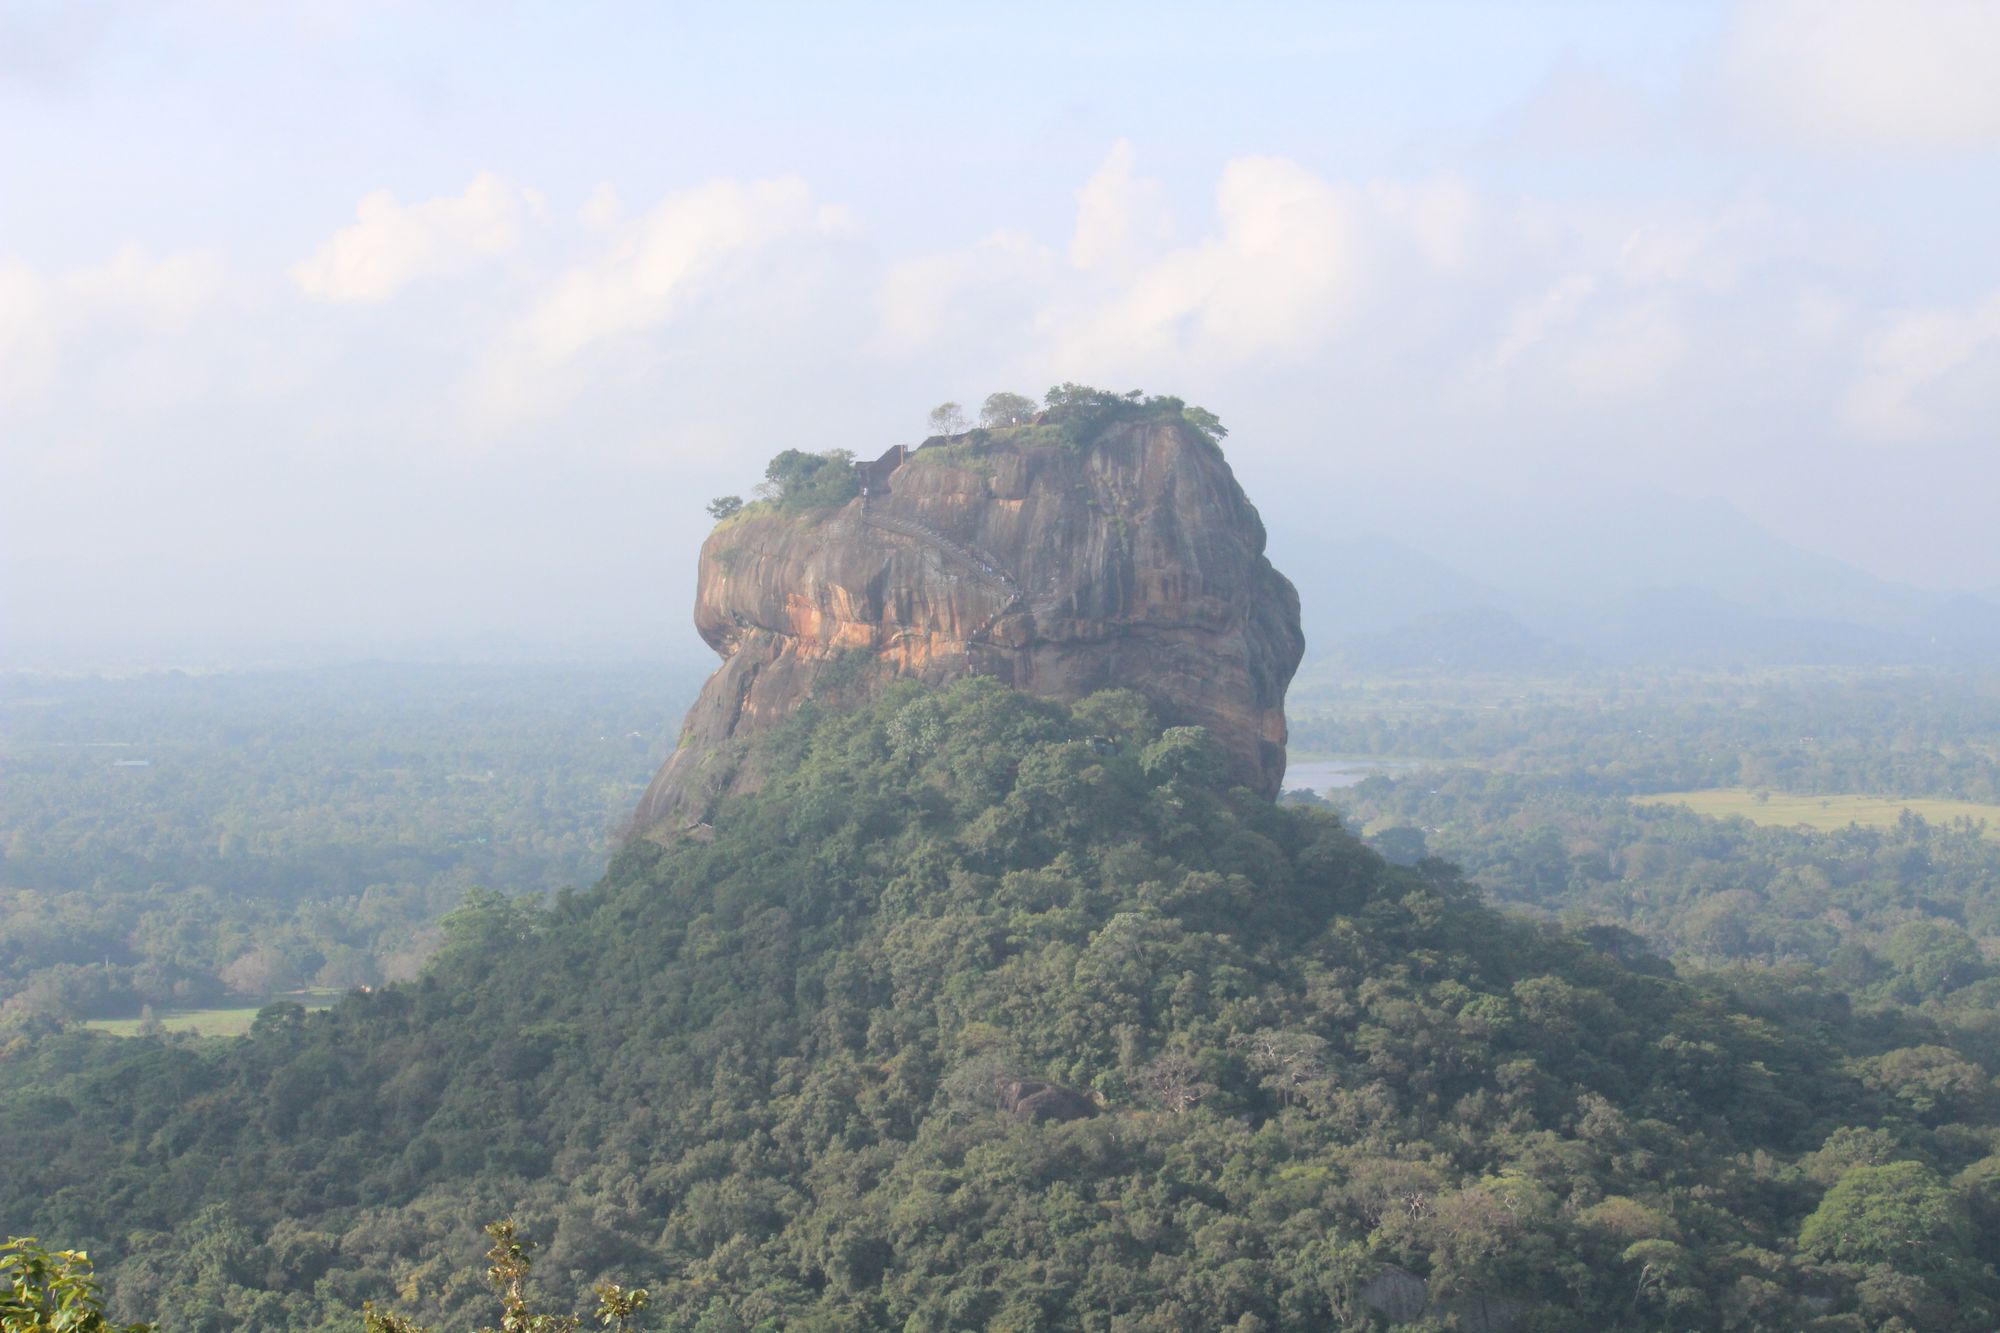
1129, 560
1037, 1101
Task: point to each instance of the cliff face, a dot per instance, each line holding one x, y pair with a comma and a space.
1134, 561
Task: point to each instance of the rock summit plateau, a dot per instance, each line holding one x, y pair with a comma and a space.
1129, 558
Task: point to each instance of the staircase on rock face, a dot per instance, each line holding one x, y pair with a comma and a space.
983, 569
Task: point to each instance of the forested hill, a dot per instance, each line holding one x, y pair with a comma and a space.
776, 1077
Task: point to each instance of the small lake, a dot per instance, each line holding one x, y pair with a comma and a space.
1325, 775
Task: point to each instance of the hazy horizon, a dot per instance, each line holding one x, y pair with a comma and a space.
355, 329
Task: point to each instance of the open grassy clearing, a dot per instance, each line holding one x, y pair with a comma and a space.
1787, 809
210, 1022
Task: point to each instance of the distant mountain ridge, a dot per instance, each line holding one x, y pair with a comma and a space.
1643, 579
1473, 640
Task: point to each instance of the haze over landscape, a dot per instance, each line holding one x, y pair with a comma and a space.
347, 329
1125, 669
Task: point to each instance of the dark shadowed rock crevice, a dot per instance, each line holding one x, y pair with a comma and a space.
1133, 561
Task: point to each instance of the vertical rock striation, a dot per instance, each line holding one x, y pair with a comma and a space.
1131, 561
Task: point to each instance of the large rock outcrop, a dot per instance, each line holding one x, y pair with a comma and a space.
1132, 560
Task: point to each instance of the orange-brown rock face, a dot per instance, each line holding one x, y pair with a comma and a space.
1133, 562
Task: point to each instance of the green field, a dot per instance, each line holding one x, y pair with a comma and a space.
209, 1022
1788, 809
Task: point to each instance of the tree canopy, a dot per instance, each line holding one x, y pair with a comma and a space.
1005, 409
796, 479
947, 419
775, 1074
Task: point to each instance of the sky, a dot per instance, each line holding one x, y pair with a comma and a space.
408, 329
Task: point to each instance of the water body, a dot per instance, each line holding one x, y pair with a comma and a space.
1331, 775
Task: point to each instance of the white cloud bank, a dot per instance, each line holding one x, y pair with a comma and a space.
649, 269
1913, 359
391, 245
1282, 269
1120, 215
43, 316
1880, 74
1508, 306
603, 317
1408, 325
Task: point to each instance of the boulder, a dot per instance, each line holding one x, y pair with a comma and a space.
1035, 1100
1133, 560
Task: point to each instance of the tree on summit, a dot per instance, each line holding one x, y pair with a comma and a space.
1005, 409
1206, 422
1081, 397
947, 419
796, 479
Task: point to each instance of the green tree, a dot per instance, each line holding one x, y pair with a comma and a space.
1005, 409
1934, 1082
947, 419
1081, 396
797, 479
507, 1270
1206, 422
51, 1291
722, 506
1932, 958
1899, 1214
1182, 752
1664, 1276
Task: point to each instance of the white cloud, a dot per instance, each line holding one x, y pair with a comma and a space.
1676, 250
162, 295
1913, 74
1120, 216
392, 245
1638, 295
652, 266
1629, 353
43, 316
27, 337
1535, 319
1917, 352
604, 209
1283, 270
1579, 109
1526, 307
1442, 217
1340, 325
925, 298
1604, 342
